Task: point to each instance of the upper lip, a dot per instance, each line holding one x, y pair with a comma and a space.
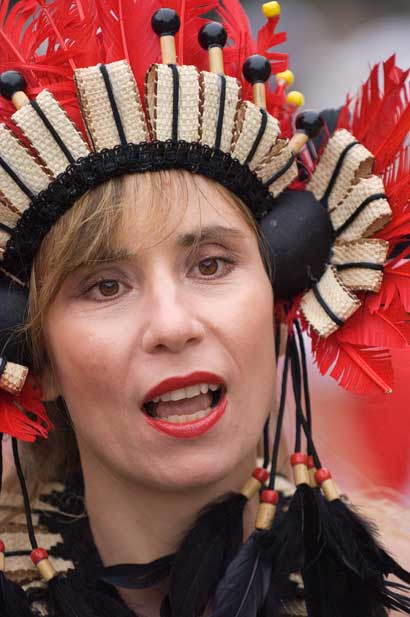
175, 383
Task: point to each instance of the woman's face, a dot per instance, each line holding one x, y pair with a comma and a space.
198, 301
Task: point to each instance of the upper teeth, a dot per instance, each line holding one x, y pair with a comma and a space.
189, 392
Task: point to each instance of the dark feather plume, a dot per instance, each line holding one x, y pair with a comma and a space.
204, 555
360, 565
13, 601
243, 590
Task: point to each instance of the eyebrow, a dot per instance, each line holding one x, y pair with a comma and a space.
210, 233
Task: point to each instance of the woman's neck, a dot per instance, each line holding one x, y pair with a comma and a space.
132, 523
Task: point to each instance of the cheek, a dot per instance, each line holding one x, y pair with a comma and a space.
89, 356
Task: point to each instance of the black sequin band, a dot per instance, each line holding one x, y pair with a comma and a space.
99, 167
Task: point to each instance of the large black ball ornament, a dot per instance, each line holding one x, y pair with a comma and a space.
299, 234
13, 314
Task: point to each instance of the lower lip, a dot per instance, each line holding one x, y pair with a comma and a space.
190, 430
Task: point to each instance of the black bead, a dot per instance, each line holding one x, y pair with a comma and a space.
311, 122
165, 22
212, 35
257, 69
10, 83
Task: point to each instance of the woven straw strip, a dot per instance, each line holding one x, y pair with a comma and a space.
18, 539
373, 218
279, 156
247, 131
357, 163
35, 130
13, 378
362, 251
210, 95
21, 161
96, 107
341, 302
4, 238
7, 216
159, 96
188, 125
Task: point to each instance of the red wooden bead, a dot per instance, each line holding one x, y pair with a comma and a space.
39, 554
271, 497
2, 547
298, 459
311, 462
261, 475
322, 475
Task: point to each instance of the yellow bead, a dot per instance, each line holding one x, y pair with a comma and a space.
286, 76
296, 98
271, 9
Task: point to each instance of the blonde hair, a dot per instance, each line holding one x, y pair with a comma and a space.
89, 233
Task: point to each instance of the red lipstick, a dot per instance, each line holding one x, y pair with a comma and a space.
175, 383
196, 428
190, 430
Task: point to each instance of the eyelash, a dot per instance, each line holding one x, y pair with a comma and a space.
229, 265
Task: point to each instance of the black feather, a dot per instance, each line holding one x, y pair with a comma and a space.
13, 601
243, 590
73, 595
353, 565
258, 577
204, 555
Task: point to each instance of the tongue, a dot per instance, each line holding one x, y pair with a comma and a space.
183, 407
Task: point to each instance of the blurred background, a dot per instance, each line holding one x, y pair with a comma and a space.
332, 46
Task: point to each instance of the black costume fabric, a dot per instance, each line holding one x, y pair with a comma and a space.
63, 524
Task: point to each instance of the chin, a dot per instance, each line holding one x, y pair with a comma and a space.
198, 469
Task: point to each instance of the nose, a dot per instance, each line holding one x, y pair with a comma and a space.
172, 322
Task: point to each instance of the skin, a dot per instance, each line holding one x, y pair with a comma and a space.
171, 310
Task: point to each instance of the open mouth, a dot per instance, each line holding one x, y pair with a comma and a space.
185, 404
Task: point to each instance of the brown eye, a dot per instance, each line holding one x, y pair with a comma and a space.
108, 288
208, 267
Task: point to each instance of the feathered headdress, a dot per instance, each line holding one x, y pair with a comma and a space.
81, 104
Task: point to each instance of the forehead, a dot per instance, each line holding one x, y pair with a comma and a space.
160, 207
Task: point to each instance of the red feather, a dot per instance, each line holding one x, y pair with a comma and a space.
14, 418
395, 288
358, 369
381, 116
388, 329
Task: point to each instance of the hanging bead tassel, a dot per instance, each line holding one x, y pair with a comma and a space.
345, 570
203, 557
13, 600
245, 587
